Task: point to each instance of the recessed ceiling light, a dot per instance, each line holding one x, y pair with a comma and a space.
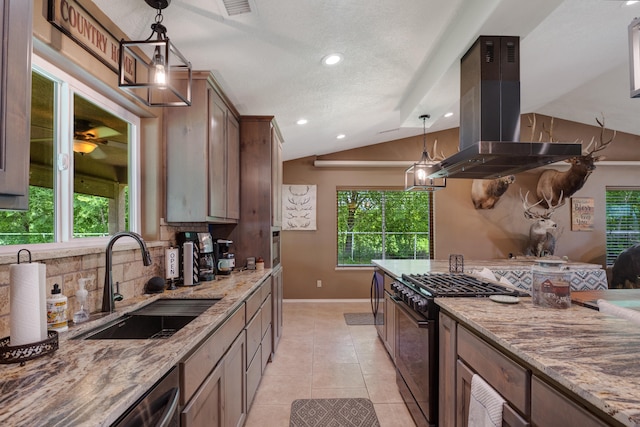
302, 122
630, 2
341, 136
332, 59
449, 114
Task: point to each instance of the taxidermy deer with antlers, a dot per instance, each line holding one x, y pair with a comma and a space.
485, 193
553, 184
542, 241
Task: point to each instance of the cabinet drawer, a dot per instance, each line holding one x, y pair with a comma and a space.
508, 378
195, 368
254, 336
205, 409
266, 288
254, 374
253, 303
266, 348
266, 315
550, 408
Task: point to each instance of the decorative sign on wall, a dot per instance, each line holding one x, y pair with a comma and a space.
299, 207
73, 20
582, 212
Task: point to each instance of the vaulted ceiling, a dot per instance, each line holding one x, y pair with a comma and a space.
401, 60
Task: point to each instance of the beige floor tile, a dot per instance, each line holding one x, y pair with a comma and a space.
383, 388
334, 353
369, 346
282, 389
268, 415
393, 415
337, 375
376, 363
290, 364
339, 393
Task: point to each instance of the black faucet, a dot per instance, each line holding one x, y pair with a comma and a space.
108, 297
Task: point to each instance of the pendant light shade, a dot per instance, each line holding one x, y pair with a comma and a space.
153, 70
416, 177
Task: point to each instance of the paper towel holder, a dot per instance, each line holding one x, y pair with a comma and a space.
22, 353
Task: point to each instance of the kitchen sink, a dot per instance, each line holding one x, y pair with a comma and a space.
159, 319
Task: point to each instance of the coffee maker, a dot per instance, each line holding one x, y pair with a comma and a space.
225, 261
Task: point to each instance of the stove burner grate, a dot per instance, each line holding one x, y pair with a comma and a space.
457, 285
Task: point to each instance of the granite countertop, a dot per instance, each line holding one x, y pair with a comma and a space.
92, 382
397, 267
591, 355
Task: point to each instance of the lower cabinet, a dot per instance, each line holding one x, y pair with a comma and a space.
276, 304
390, 325
259, 339
530, 399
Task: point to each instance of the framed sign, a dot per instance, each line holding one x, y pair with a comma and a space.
582, 211
299, 207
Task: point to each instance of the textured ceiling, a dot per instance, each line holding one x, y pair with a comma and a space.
401, 60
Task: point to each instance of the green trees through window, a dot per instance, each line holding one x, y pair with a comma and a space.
623, 221
382, 225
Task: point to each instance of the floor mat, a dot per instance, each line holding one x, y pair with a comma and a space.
333, 413
360, 318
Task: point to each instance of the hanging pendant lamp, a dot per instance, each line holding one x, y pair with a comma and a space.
153, 70
416, 177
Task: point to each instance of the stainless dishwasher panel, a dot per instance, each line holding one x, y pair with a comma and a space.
158, 407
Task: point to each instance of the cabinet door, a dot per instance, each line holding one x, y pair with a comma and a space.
205, 409
276, 295
233, 167
15, 102
390, 325
447, 371
276, 178
217, 156
235, 384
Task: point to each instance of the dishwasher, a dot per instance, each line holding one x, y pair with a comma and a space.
158, 407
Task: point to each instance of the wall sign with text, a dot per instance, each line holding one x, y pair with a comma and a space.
582, 214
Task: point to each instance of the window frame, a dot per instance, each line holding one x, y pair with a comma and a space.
65, 86
430, 215
609, 255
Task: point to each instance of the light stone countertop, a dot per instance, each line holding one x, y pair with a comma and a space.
92, 382
591, 355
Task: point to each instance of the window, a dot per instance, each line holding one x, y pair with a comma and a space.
82, 170
382, 225
623, 220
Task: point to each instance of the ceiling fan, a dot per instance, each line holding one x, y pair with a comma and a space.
88, 136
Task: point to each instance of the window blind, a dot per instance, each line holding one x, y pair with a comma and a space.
623, 220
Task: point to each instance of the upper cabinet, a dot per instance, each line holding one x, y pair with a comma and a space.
15, 102
203, 159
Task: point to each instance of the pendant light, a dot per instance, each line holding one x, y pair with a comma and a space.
416, 177
153, 70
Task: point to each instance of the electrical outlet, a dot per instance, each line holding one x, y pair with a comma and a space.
319, 283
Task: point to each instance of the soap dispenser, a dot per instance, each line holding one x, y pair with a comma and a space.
57, 310
82, 315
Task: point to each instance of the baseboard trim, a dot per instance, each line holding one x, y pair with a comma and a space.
327, 300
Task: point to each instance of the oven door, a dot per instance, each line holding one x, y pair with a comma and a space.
377, 302
416, 363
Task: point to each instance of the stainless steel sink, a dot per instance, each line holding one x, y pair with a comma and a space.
160, 319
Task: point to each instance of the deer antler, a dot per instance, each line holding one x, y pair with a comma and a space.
602, 144
435, 157
551, 208
527, 206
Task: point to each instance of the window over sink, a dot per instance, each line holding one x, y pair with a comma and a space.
83, 174
623, 220
382, 224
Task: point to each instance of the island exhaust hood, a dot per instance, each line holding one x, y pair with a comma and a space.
490, 117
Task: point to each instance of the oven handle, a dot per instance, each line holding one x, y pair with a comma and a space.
171, 408
420, 323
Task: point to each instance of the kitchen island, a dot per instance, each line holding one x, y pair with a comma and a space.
92, 382
585, 356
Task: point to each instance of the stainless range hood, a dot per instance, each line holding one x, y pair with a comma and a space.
490, 117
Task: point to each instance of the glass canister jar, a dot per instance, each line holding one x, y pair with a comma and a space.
551, 285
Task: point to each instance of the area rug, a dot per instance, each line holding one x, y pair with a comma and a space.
333, 413
360, 318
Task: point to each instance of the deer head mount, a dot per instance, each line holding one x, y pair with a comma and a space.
553, 184
485, 193
542, 241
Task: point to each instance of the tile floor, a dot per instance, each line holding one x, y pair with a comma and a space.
320, 356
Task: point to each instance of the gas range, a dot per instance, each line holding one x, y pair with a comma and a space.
419, 290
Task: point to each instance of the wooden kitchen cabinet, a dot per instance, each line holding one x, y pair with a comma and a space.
258, 333
530, 399
260, 189
15, 102
203, 158
276, 304
390, 325
235, 384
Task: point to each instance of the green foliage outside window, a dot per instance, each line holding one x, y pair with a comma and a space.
382, 225
623, 221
